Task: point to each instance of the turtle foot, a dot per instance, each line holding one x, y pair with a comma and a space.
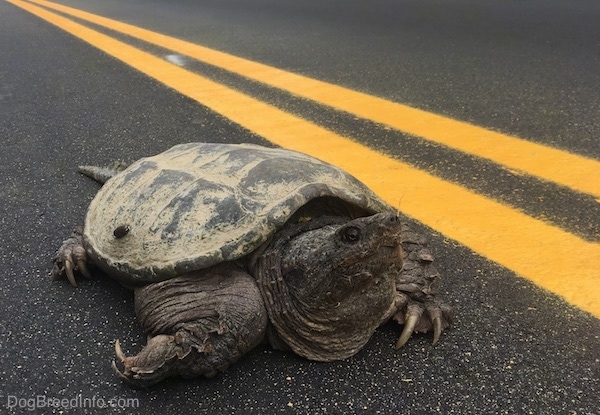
417, 305
183, 354
422, 318
154, 363
71, 257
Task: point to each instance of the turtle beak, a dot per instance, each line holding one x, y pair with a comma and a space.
399, 256
394, 251
396, 245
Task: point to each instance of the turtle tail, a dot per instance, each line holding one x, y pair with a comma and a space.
102, 174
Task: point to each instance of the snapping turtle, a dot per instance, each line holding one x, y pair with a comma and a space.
229, 245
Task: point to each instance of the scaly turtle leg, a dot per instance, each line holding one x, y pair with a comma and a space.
417, 307
71, 258
199, 324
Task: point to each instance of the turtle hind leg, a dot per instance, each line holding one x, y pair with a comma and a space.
199, 324
71, 258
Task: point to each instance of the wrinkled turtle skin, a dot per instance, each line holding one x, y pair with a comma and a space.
226, 246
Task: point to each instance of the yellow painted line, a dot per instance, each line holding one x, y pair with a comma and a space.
550, 257
577, 172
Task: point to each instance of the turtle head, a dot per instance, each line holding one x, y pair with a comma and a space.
328, 285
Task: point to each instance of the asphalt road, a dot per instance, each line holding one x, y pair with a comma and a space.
524, 68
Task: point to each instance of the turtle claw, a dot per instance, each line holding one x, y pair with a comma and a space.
437, 330
71, 258
409, 327
119, 352
119, 374
122, 358
421, 318
83, 269
155, 362
68, 267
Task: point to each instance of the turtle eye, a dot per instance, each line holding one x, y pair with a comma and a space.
350, 235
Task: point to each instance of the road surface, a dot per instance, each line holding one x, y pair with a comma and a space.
514, 223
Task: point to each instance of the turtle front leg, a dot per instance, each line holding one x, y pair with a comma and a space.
199, 324
417, 306
71, 257
421, 317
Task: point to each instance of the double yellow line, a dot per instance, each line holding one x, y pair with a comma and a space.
552, 258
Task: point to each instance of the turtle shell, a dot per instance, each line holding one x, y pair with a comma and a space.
200, 204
